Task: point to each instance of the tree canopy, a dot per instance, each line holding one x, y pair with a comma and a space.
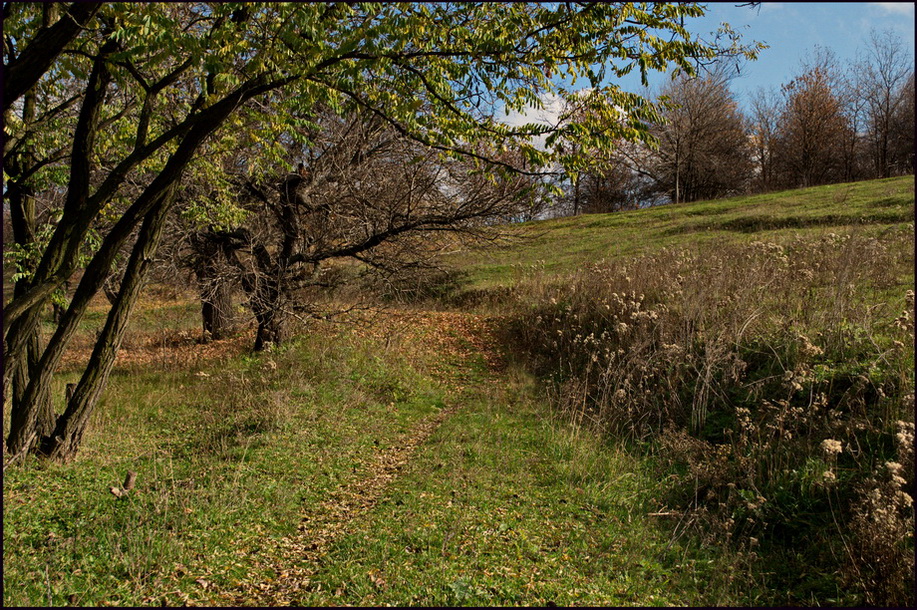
108, 106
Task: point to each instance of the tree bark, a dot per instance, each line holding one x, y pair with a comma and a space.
272, 328
71, 425
265, 302
24, 71
216, 311
213, 275
59, 260
21, 198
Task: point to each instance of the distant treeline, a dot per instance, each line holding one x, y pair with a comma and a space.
826, 125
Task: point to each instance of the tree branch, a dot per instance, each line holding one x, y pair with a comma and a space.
33, 62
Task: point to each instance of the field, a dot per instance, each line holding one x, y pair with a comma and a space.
696, 404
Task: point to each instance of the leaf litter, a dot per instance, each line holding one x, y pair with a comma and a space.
454, 339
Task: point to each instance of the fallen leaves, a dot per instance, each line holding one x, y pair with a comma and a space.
317, 531
178, 349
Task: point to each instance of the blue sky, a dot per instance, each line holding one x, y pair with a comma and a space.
794, 28
791, 29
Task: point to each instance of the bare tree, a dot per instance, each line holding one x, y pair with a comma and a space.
365, 193
901, 138
615, 189
763, 122
704, 150
882, 75
856, 163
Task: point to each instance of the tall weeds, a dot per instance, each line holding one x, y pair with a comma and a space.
775, 380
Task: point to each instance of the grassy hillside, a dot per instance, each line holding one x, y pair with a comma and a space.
761, 349
564, 244
638, 414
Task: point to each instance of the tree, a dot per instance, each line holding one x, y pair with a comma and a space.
764, 120
703, 151
856, 165
607, 183
881, 76
156, 86
901, 140
211, 264
615, 189
30, 194
813, 130
364, 192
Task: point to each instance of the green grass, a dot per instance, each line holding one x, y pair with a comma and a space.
562, 245
505, 506
502, 505
224, 464
506, 503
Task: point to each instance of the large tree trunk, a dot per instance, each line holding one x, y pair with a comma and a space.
21, 199
60, 256
266, 304
272, 328
267, 288
216, 311
62, 445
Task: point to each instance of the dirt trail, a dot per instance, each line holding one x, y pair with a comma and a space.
448, 334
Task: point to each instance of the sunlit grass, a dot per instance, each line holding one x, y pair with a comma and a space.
564, 244
516, 499
226, 456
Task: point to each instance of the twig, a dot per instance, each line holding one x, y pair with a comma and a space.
22, 452
683, 530
48, 585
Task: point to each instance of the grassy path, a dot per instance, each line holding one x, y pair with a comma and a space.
398, 462
485, 502
300, 555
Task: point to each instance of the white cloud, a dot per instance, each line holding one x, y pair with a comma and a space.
549, 115
898, 8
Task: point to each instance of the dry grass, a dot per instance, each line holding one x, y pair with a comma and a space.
774, 379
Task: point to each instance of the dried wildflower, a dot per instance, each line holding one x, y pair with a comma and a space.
809, 349
831, 446
894, 467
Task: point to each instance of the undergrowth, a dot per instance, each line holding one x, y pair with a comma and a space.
774, 383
